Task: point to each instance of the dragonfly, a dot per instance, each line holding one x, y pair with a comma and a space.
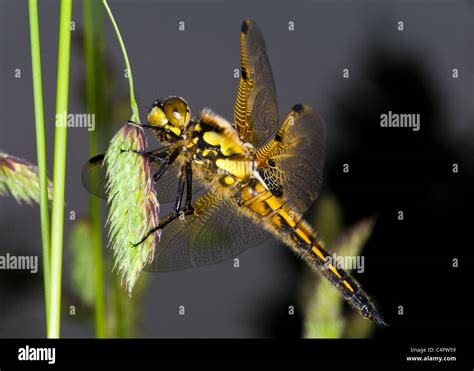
255, 177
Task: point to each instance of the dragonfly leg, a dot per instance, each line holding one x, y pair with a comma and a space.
186, 171
149, 155
166, 163
189, 186
177, 212
148, 126
168, 219
179, 196
141, 125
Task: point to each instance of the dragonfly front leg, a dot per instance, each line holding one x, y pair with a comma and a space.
168, 219
166, 159
167, 162
185, 177
173, 215
148, 155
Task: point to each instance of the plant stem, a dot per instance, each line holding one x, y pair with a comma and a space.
94, 202
102, 85
40, 147
60, 140
133, 102
118, 310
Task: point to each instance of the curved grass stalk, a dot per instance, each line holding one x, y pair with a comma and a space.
132, 201
133, 103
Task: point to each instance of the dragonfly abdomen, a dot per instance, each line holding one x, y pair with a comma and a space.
288, 225
277, 215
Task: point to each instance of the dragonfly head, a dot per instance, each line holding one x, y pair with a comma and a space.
169, 119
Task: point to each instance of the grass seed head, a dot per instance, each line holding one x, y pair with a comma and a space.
133, 204
20, 179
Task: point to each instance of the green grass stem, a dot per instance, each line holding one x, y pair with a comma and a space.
40, 147
93, 106
60, 142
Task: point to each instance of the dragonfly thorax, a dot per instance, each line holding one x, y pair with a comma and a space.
216, 145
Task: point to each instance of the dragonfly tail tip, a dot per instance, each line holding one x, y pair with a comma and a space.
380, 322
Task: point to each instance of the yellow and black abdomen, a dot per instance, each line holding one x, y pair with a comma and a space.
288, 225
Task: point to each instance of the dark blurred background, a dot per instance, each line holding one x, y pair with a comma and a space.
408, 263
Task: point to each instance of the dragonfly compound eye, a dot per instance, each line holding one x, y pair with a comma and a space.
177, 111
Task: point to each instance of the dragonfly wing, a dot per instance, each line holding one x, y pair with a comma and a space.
214, 233
295, 157
255, 108
94, 178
